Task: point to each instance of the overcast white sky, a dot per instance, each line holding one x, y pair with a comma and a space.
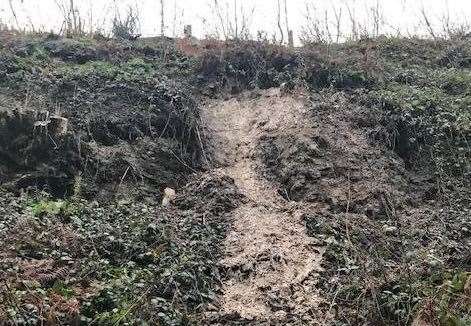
402, 14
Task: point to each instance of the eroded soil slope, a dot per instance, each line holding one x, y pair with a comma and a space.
271, 264
384, 241
397, 242
355, 200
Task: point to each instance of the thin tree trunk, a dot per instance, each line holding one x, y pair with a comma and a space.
427, 23
236, 21
221, 19
327, 27
13, 12
162, 19
174, 32
286, 18
338, 20
74, 18
279, 23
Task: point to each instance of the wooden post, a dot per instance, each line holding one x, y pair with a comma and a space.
187, 31
290, 39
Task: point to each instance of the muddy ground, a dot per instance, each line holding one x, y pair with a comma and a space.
270, 264
315, 165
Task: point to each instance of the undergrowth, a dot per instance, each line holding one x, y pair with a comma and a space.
82, 262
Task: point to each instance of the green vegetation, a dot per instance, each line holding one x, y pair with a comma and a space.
122, 262
423, 94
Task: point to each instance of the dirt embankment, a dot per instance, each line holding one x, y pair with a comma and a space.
390, 235
126, 120
346, 206
270, 264
379, 232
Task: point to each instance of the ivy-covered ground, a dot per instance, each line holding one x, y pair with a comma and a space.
83, 237
80, 262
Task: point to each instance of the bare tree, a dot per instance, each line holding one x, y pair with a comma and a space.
327, 27
428, 23
314, 30
450, 27
174, 27
378, 18
288, 30
13, 12
72, 13
222, 23
446, 25
233, 21
162, 18
338, 23
279, 22
353, 21
236, 22
72, 24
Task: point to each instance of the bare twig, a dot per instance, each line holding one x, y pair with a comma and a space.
427, 23
124, 176
13, 12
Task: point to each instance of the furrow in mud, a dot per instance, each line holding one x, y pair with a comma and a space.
270, 263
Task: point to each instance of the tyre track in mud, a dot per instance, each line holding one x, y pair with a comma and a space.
270, 264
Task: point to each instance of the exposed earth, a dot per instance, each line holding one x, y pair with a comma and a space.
322, 185
270, 264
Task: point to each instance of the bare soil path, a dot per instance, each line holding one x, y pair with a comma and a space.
271, 264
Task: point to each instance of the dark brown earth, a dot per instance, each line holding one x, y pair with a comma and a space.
387, 229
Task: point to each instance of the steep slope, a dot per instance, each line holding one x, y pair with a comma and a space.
396, 244
381, 236
270, 263
348, 204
